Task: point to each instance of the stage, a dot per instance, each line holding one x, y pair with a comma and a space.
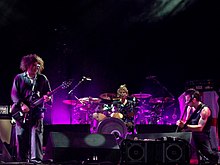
112, 145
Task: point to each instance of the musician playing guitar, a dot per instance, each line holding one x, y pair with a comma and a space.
198, 121
28, 87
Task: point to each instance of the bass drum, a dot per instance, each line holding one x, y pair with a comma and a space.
113, 126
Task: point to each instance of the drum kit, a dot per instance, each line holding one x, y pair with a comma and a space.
100, 114
151, 110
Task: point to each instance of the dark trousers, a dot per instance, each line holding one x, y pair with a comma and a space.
204, 148
29, 141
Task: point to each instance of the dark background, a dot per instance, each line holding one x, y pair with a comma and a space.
113, 42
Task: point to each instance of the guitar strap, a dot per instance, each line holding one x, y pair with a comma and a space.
34, 83
192, 116
200, 107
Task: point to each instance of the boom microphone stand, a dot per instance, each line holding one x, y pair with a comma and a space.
30, 120
71, 92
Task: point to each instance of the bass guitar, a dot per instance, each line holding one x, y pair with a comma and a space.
192, 116
22, 117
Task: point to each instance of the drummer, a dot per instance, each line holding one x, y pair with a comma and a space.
123, 107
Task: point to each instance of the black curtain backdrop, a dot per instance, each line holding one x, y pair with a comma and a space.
113, 43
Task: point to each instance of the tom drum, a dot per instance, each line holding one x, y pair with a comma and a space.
98, 116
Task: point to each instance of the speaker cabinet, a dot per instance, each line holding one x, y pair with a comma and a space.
154, 152
69, 146
177, 152
133, 152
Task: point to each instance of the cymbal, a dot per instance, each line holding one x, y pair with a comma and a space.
107, 96
117, 115
89, 99
73, 102
160, 100
141, 95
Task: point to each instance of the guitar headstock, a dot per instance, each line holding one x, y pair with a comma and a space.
66, 84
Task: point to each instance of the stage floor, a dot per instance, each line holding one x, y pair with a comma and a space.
193, 161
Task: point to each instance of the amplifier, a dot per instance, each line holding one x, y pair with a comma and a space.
201, 85
5, 111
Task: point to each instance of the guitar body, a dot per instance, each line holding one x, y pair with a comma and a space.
17, 114
35, 105
21, 117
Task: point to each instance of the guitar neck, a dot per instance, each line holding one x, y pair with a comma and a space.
39, 101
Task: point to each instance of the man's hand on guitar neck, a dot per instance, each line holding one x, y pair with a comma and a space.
46, 98
24, 107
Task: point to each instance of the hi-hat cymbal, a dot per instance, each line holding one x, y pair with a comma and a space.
141, 95
107, 96
89, 100
160, 100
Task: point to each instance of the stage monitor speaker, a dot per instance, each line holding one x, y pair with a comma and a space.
155, 152
77, 128
155, 128
70, 146
133, 152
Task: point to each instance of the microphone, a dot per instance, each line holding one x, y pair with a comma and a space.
87, 78
38, 66
150, 77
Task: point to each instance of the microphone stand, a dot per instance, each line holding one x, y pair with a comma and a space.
30, 120
71, 92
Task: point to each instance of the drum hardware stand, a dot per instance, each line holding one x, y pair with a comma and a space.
163, 87
156, 115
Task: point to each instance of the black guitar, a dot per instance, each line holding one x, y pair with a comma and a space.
22, 117
199, 108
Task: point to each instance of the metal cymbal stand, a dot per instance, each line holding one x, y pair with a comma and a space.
165, 89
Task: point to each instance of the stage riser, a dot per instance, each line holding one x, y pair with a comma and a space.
69, 146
